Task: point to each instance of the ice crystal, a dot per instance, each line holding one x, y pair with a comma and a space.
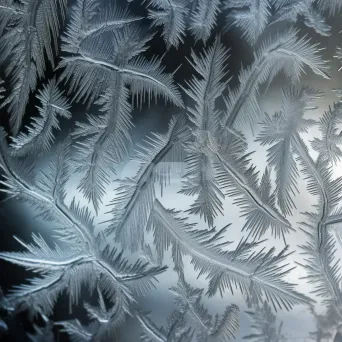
109, 61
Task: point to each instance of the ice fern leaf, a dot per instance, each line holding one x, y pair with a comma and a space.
264, 325
10, 12
323, 270
220, 328
84, 259
203, 18
217, 163
240, 181
332, 6
178, 16
328, 147
67, 269
32, 34
257, 273
99, 67
96, 63
282, 132
250, 16
101, 143
204, 91
104, 322
292, 9
172, 15
40, 134
2, 89
319, 249
90, 20
133, 202
284, 52
176, 330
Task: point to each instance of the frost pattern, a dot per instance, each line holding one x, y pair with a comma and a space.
99, 51
30, 31
264, 325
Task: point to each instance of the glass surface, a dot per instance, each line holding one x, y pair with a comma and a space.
170, 170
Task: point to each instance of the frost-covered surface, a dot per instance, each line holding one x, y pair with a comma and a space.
174, 190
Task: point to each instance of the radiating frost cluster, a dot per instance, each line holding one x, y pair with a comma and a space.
98, 52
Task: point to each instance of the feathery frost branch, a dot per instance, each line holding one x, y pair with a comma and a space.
215, 163
264, 325
40, 134
257, 273
284, 128
219, 328
133, 202
30, 33
283, 52
110, 72
83, 261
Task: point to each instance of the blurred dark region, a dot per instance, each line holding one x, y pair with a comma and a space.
19, 327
